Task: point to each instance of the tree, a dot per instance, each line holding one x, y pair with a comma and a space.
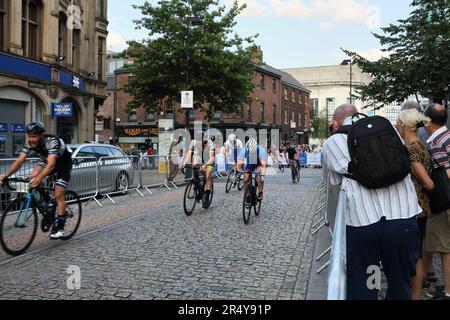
419, 56
207, 58
320, 124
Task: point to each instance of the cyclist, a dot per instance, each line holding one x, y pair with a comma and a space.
253, 158
233, 147
195, 154
54, 159
292, 156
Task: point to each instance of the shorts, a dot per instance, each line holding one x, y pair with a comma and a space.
252, 167
438, 233
63, 172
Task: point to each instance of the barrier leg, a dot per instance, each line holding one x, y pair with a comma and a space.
148, 190
324, 253
323, 267
110, 199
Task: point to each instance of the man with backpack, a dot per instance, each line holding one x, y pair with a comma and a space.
370, 161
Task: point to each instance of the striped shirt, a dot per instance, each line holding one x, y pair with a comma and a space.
439, 146
367, 206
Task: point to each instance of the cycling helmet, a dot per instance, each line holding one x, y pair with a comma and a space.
35, 128
251, 145
232, 138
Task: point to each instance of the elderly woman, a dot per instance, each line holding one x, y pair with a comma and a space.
408, 123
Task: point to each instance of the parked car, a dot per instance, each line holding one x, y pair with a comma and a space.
116, 170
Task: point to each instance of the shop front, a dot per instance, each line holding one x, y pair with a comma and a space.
132, 139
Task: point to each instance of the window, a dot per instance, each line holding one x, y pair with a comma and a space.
299, 119
101, 42
193, 114
3, 23
261, 111
76, 43
315, 106
293, 95
306, 120
106, 123
274, 85
150, 116
261, 81
274, 115
31, 16
116, 152
101, 12
132, 117
293, 116
85, 153
330, 106
285, 94
286, 120
249, 112
62, 35
100, 152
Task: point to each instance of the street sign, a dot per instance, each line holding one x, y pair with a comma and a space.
3, 127
187, 99
293, 125
18, 128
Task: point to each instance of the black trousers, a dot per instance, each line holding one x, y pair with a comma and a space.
396, 243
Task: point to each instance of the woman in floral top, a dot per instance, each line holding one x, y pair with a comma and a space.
408, 123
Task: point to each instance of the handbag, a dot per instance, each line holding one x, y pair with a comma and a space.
440, 197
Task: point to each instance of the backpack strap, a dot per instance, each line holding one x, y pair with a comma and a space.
343, 130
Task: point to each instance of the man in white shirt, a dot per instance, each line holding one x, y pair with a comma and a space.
381, 223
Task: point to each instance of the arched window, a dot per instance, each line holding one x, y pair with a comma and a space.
62, 35
3, 23
31, 23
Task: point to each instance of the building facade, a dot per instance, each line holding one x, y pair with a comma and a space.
52, 68
330, 87
267, 109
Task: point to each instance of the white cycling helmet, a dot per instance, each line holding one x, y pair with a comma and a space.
251, 145
232, 138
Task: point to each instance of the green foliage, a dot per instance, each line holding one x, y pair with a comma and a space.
419, 56
209, 58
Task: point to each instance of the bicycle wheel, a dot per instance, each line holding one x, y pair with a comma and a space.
230, 181
74, 213
18, 227
190, 198
240, 182
247, 206
298, 174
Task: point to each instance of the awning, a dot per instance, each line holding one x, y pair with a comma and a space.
137, 139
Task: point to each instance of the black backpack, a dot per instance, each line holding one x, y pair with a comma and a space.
378, 156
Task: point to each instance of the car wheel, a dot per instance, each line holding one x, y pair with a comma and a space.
122, 183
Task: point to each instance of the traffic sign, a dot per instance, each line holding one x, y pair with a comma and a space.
187, 99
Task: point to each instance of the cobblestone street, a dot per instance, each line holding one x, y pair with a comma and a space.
148, 249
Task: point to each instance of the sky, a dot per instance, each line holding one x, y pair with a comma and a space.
292, 33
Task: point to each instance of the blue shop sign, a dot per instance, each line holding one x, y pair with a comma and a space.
2, 139
62, 110
3, 127
18, 128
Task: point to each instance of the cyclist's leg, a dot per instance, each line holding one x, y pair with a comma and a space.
260, 180
209, 179
38, 169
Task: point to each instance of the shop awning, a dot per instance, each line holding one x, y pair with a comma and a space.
137, 139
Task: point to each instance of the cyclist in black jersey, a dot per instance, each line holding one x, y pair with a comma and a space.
54, 159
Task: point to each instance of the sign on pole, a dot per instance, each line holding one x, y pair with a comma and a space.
187, 99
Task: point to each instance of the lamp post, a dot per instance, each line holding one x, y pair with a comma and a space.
192, 21
346, 63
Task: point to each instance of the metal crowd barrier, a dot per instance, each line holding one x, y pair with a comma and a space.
118, 175
84, 178
337, 279
156, 174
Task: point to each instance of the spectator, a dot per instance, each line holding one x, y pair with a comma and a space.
144, 159
408, 123
438, 226
381, 223
150, 154
174, 158
422, 132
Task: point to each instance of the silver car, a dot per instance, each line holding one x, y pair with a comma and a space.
115, 169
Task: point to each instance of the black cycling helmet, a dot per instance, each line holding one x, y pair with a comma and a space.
35, 128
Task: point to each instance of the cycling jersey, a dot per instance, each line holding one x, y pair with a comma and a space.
291, 153
253, 161
52, 145
233, 149
198, 158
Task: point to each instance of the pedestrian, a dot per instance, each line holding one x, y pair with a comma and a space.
150, 156
438, 226
408, 123
422, 132
381, 223
175, 158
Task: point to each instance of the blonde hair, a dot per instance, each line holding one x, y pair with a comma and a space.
413, 120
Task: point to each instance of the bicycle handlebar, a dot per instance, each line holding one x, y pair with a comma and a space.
7, 181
